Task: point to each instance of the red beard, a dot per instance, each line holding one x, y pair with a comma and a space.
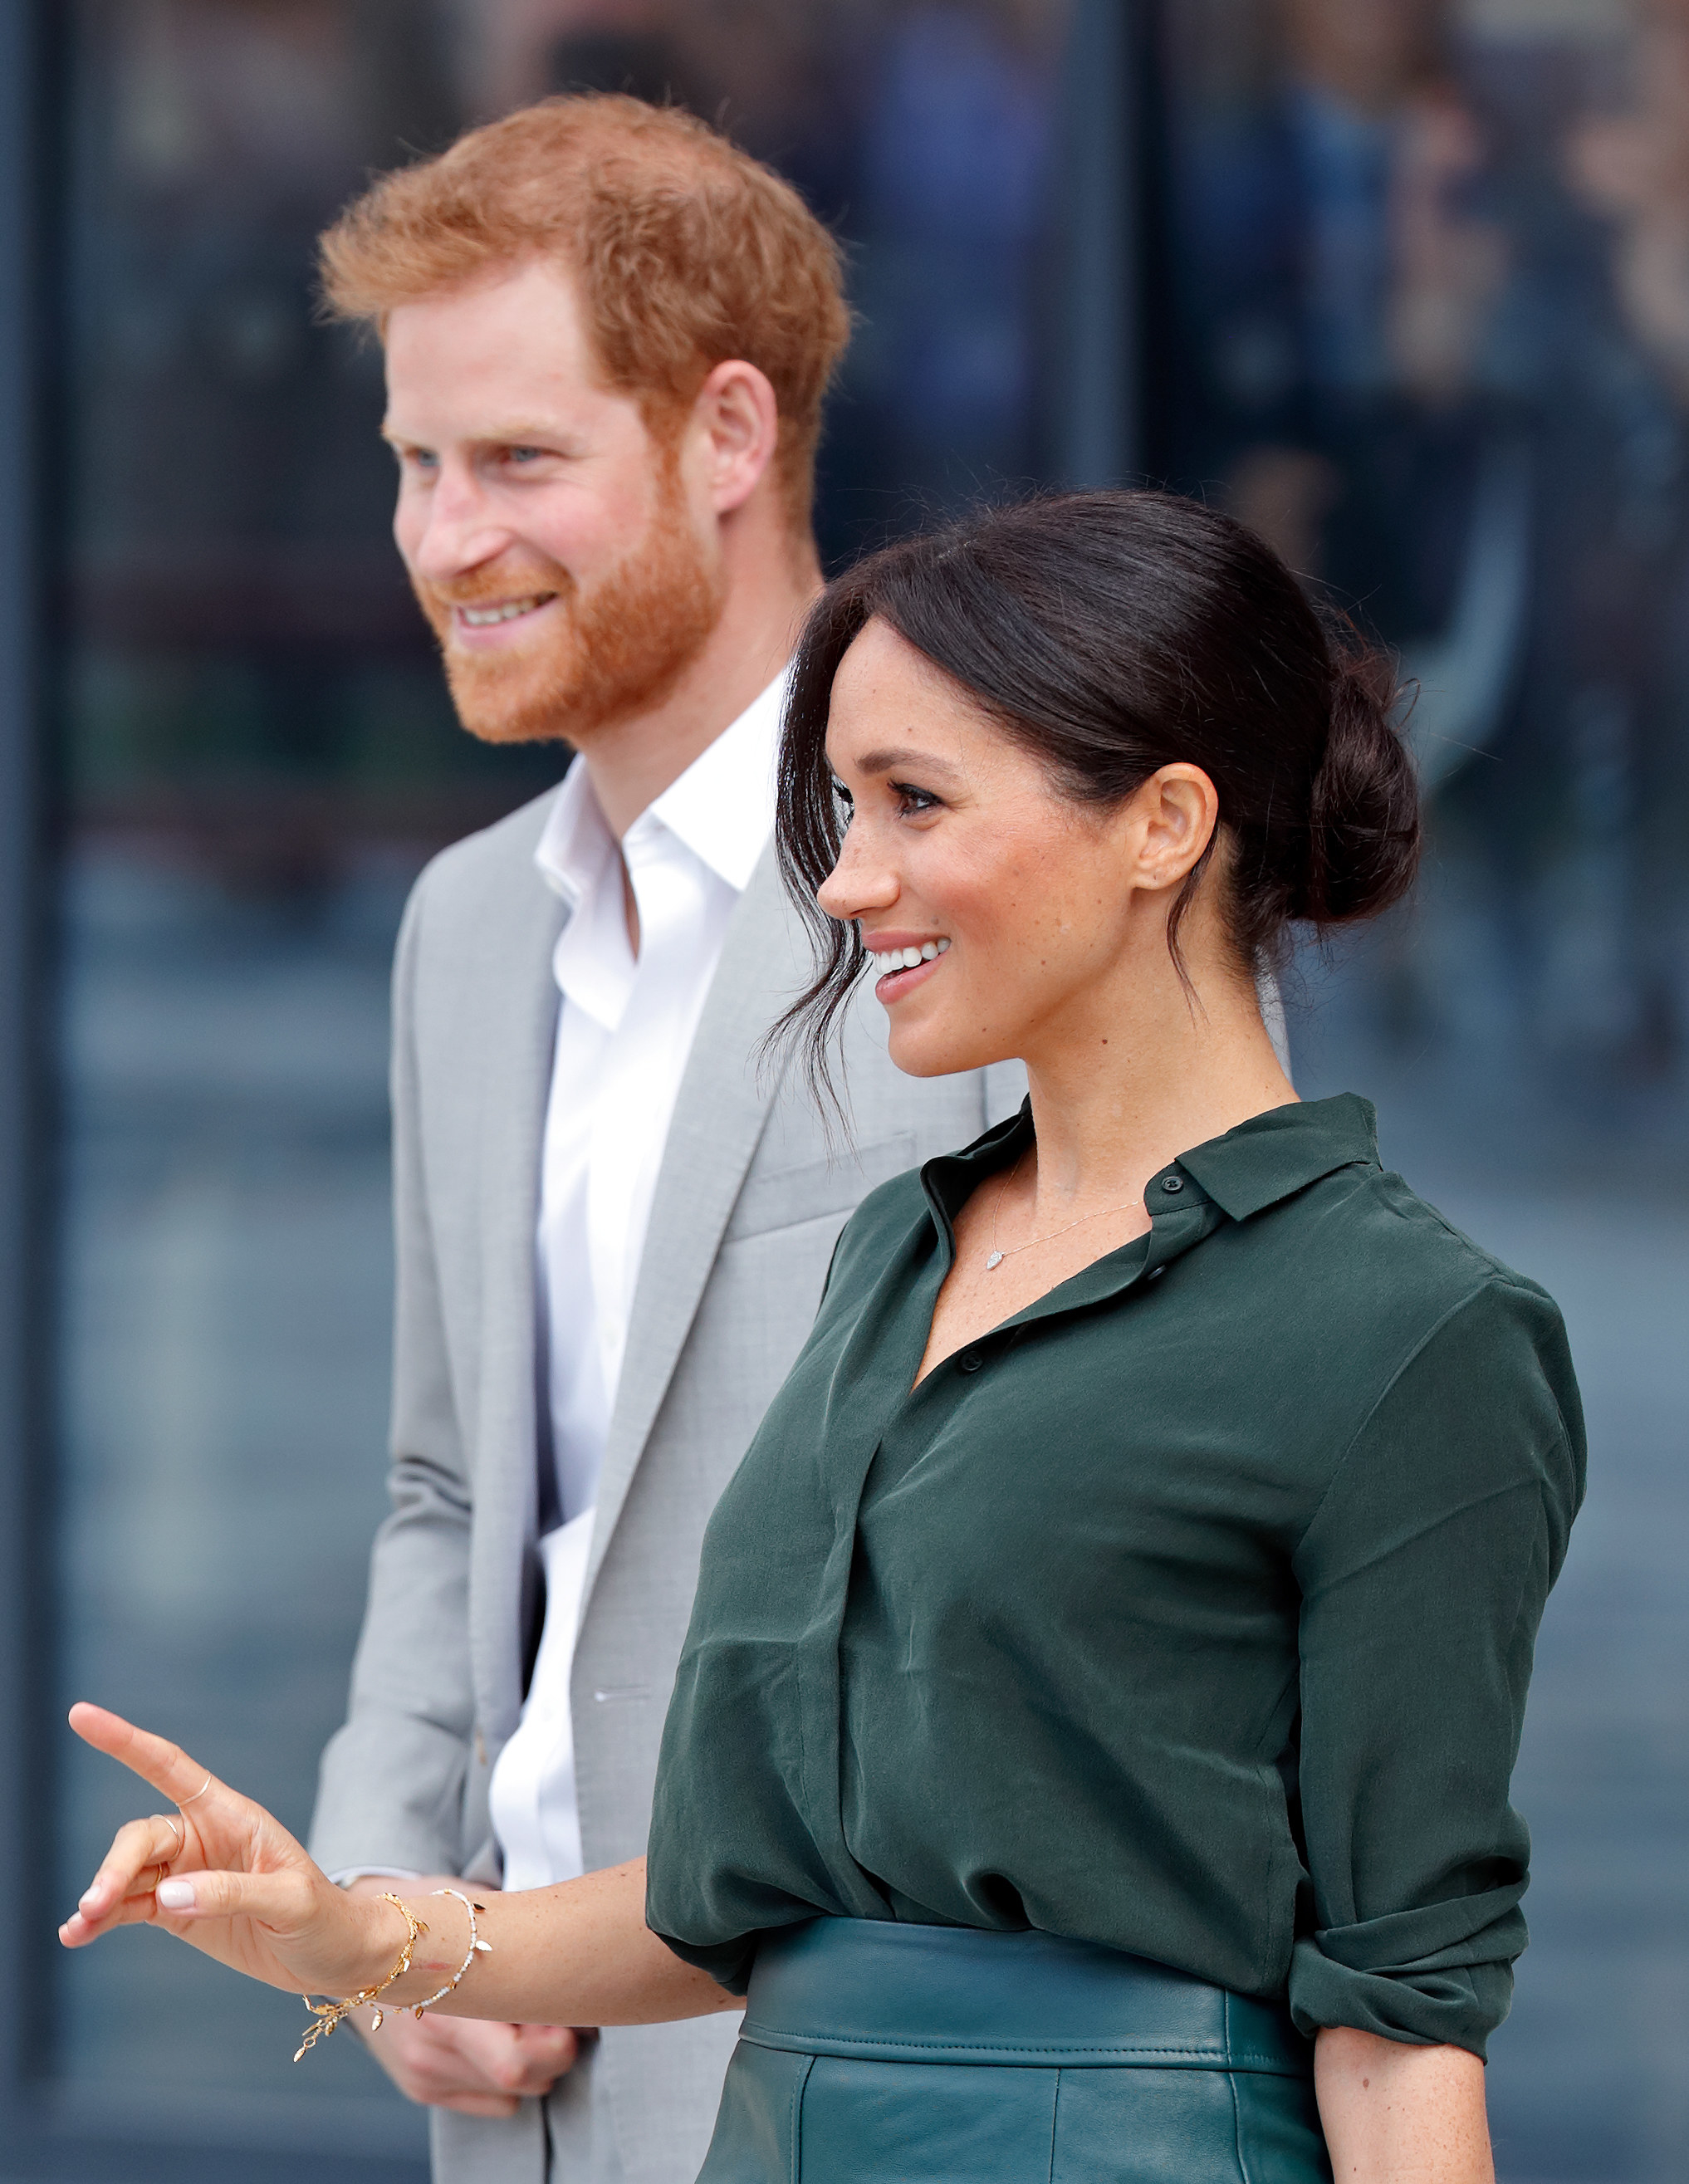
606, 655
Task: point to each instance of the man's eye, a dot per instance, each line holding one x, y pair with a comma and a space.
525, 455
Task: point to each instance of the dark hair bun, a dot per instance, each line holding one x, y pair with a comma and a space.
1364, 813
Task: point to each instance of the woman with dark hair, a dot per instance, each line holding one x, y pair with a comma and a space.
1090, 1758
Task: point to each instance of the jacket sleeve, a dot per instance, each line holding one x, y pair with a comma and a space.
391, 1786
1424, 1575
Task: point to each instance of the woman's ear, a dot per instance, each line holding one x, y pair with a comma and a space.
1176, 812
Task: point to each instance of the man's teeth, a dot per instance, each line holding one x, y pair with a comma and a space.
507, 610
905, 959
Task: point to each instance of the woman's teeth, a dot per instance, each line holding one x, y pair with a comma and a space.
905, 959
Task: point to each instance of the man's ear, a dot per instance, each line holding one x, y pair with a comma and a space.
736, 422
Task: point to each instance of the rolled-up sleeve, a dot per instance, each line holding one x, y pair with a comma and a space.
1424, 1575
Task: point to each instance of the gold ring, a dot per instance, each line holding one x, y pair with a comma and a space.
182, 1836
199, 1792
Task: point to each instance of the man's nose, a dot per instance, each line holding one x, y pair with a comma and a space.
460, 531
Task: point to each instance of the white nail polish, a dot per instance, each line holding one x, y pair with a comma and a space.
175, 1895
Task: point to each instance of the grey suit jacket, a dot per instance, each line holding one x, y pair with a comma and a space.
748, 1202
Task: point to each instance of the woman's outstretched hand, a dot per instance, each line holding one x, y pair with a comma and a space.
221, 1873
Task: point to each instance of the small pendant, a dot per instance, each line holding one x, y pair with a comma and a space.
995, 1260
376, 2022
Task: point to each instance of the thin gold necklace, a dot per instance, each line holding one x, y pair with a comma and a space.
995, 1257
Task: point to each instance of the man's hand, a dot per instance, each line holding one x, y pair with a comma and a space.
460, 2063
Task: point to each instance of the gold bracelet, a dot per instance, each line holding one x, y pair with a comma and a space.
328, 2014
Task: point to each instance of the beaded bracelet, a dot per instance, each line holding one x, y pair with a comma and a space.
477, 1947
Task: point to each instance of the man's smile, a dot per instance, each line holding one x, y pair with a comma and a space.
500, 611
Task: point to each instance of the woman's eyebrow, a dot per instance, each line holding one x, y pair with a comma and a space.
903, 760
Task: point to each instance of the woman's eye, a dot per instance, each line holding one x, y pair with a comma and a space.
843, 796
912, 801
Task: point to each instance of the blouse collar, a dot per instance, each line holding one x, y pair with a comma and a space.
1266, 1159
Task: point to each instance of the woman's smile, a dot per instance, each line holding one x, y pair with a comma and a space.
902, 961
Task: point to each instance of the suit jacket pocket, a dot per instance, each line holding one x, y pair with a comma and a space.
786, 1195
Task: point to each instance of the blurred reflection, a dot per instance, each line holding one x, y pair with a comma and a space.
1633, 167
1438, 313
1619, 412
1340, 273
952, 179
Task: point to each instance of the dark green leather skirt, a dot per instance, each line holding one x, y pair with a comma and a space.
878, 2054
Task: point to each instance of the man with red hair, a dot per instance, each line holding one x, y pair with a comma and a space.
608, 335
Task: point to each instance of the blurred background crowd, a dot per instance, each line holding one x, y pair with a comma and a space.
1404, 283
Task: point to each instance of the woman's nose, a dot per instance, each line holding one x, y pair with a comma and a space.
858, 883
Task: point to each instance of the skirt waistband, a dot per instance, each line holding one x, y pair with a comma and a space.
881, 1991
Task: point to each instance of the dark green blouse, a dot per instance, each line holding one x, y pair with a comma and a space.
1190, 1611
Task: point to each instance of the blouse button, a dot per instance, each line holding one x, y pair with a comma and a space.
969, 1362
1172, 1183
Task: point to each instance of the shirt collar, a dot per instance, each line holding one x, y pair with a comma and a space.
722, 808
574, 843
1273, 1154
1250, 1169
1264, 1159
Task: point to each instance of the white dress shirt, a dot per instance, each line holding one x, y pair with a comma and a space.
624, 1027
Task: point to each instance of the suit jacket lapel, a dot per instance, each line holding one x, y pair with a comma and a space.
518, 1020
722, 1104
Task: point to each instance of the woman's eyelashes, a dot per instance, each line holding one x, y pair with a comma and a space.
912, 803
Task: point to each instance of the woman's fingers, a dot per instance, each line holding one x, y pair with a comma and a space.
281, 1901
137, 1910
139, 1848
164, 1765
222, 1875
